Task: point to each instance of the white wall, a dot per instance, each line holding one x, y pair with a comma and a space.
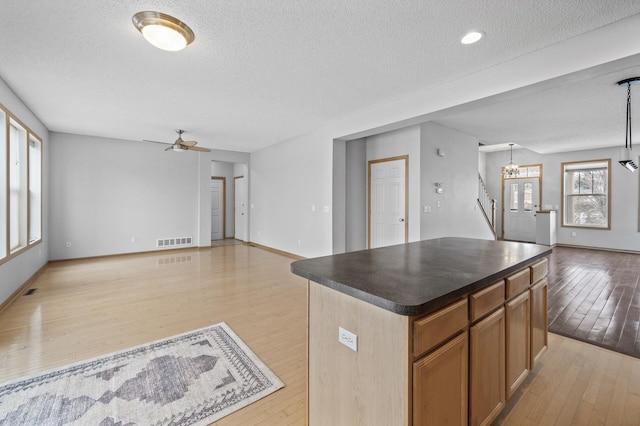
104, 192
16, 271
625, 187
455, 212
287, 179
399, 142
356, 195
300, 169
482, 165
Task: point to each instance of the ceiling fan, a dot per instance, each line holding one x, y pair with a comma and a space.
182, 145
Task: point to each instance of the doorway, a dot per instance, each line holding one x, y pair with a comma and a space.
218, 208
521, 198
240, 207
388, 200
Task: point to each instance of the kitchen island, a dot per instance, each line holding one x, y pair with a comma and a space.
433, 332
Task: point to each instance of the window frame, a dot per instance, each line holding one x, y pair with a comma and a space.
25, 215
563, 196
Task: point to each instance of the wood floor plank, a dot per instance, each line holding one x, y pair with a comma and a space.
594, 296
87, 308
576, 383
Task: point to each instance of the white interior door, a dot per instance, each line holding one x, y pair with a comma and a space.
240, 203
387, 217
521, 201
217, 209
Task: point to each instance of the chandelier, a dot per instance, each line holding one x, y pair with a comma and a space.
511, 170
626, 155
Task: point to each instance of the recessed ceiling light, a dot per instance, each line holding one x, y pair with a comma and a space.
471, 37
163, 31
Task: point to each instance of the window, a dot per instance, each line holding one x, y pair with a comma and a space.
514, 197
528, 197
17, 186
35, 189
20, 186
3, 184
529, 171
585, 194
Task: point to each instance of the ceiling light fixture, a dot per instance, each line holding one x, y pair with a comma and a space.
163, 31
626, 154
472, 37
511, 170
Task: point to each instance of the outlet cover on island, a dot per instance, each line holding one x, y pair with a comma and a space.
348, 339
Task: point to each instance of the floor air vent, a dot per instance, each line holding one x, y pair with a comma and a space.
174, 242
30, 291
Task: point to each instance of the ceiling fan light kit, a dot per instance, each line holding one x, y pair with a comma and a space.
181, 145
163, 31
626, 154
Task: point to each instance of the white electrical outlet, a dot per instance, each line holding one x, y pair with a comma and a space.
348, 339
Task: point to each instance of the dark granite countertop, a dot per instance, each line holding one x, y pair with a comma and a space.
421, 277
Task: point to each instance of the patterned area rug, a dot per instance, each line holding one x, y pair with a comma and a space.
193, 378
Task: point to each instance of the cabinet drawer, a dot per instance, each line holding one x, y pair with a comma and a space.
539, 270
485, 301
439, 326
518, 282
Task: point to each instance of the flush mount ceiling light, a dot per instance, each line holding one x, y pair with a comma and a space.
626, 155
471, 37
163, 31
511, 170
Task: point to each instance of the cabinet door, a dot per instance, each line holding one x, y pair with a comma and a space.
487, 369
518, 341
539, 324
440, 385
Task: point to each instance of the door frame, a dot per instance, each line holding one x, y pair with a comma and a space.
524, 177
224, 203
235, 221
406, 194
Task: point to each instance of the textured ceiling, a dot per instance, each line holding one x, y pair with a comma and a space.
582, 111
260, 72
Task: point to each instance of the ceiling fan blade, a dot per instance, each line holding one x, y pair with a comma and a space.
169, 148
197, 148
163, 143
188, 143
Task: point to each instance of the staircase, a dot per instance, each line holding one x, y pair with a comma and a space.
487, 205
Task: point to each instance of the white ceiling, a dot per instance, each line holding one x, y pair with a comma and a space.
260, 72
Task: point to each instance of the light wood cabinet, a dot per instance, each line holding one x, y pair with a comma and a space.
518, 282
517, 320
436, 328
487, 369
539, 270
539, 326
457, 365
484, 301
440, 385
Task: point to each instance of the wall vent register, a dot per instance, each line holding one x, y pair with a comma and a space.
174, 242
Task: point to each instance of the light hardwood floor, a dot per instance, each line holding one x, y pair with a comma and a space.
86, 308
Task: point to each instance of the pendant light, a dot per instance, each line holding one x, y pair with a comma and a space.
626, 154
511, 170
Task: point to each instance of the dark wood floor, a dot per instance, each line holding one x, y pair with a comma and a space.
594, 296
